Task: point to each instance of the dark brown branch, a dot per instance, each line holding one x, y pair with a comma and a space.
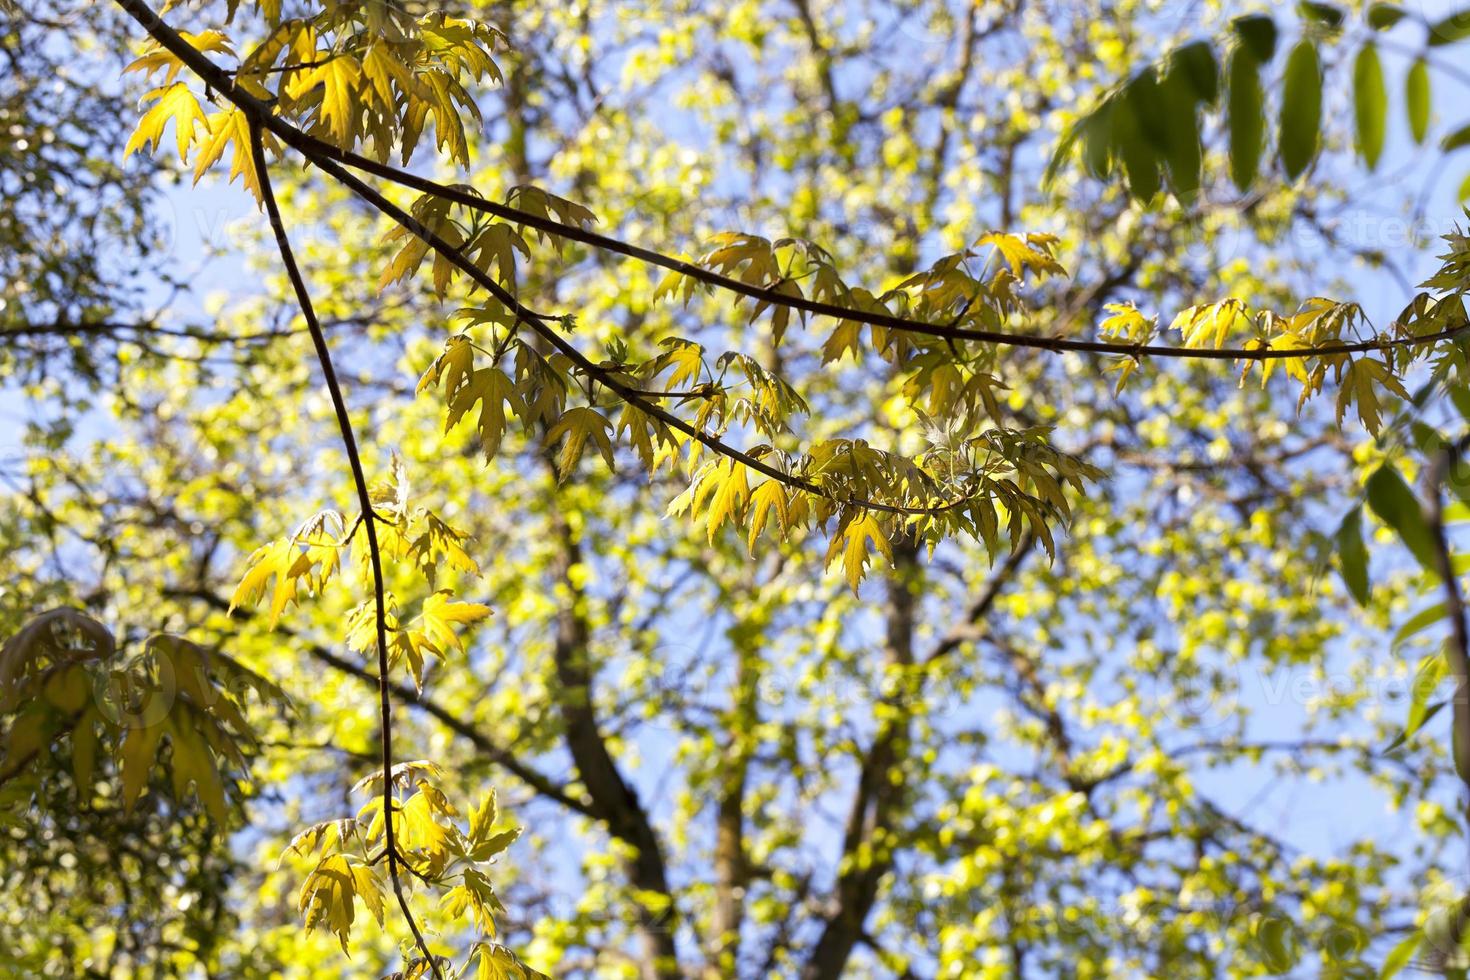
614, 802
220, 81
867, 844
365, 502
973, 625
1459, 645
540, 324
494, 752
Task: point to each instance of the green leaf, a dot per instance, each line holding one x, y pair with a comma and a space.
1464, 191
1196, 62
1324, 14
1400, 956
1370, 104
1257, 34
1416, 91
1395, 504
1456, 140
1140, 163
1352, 556
1178, 102
1247, 118
1301, 108
1431, 671
1455, 27
1382, 16
1417, 624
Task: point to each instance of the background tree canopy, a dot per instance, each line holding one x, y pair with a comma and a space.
801, 488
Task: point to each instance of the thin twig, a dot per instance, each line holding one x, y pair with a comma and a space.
359, 479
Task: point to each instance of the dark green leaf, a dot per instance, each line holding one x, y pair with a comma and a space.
1178, 107
1382, 16
1257, 33
1196, 61
1396, 505
1460, 395
1324, 14
1370, 104
1247, 118
1137, 132
1455, 27
1456, 139
1416, 87
1352, 556
1097, 142
1301, 108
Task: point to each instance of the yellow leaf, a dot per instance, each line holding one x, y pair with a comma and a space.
156, 56
768, 496
493, 389
451, 367
575, 428
328, 896
175, 104
338, 77
852, 544
439, 614
228, 129
729, 499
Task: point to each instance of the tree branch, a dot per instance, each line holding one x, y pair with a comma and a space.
365, 502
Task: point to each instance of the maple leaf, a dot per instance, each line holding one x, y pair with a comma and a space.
329, 895
173, 103
852, 543
1031, 252
338, 77
451, 367
227, 129
269, 567
1359, 385
767, 497
729, 498
439, 614
156, 57
497, 962
577, 426
494, 390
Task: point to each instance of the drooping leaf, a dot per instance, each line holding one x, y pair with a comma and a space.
577, 426
1301, 108
1247, 117
1370, 104
1416, 91
1456, 139
860, 535
1395, 504
1352, 556
1382, 16
1257, 34
1450, 29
